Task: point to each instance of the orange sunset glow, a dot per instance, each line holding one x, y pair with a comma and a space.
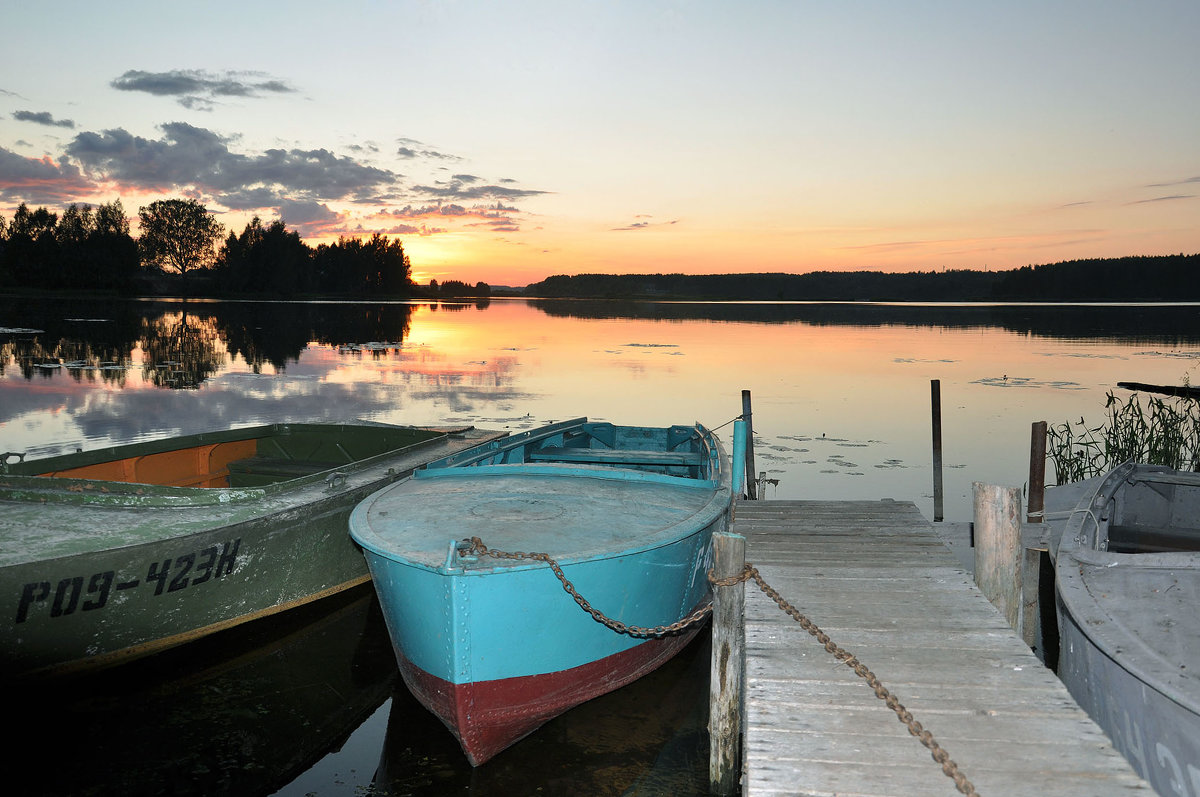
505, 144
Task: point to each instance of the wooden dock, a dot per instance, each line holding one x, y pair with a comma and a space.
875, 577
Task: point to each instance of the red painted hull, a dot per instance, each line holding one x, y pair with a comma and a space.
489, 716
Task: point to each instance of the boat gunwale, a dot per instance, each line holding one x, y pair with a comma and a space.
81, 491
1089, 612
554, 471
703, 517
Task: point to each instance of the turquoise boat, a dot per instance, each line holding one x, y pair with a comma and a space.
487, 637
112, 554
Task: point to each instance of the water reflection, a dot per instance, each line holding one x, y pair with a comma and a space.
180, 345
288, 706
841, 400
1146, 323
243, 712
841, 391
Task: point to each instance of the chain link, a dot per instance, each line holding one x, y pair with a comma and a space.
749, 573
698, 616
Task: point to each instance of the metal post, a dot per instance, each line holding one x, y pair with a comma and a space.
935, 387
751, 486
727, 666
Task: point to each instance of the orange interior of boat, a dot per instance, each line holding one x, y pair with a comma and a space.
201, 466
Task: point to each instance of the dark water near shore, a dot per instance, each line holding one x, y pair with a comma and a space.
309, 702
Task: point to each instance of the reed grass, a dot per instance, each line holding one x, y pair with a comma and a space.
1164, 432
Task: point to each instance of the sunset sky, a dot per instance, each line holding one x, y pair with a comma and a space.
509, 141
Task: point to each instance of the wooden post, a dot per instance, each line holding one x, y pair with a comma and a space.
998, 550
751, 485
739, 476
1031, 566
727, 666
935, 389
1037, 472
1031, 605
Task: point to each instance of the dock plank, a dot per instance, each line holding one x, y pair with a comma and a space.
877, 579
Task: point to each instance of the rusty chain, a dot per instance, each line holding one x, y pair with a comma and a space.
749, 572
695, 618
904, 715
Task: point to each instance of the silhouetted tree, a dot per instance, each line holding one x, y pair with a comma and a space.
178, 235
113, 254
31, 252
266, 260
377, 266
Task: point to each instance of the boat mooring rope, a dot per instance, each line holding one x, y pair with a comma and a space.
749, 573
477, 547
939, 753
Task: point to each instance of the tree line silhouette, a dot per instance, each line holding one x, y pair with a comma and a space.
90, 249
177, 251
1159, 278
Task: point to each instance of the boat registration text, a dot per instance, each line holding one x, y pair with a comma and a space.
168, 575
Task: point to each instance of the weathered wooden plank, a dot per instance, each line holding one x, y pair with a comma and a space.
877, 579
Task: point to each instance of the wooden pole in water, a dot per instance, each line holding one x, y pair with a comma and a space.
1037, 472
998, 550
739, 475
727, 666
935, 389
1031, 565
751, 485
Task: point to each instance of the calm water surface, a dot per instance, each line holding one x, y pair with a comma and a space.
311, 705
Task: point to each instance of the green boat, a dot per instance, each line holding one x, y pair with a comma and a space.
113, 554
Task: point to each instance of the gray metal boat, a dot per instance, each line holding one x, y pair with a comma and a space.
1128, 593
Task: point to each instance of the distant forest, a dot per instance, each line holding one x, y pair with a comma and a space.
181, 252
1152, 279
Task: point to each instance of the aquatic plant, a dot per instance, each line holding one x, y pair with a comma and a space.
1164, 432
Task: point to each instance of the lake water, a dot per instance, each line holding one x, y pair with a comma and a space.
841, 396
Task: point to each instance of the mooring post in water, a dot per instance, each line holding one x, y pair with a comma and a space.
740, 475
1035, 552
1037, 472
935, 390
998, 549
751, 486
727, 666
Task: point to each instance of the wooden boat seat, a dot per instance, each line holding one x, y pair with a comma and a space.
1145, 539
606, 456
257, 471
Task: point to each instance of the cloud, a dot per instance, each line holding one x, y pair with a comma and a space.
495, 211
43, 118
1184, 181
498, 216
41, 181
1163, 199
411, 153
644, 225
466, 190
189, 156
197, 89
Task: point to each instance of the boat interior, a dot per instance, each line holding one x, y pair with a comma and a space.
253, 458
1155, 512
675, 451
